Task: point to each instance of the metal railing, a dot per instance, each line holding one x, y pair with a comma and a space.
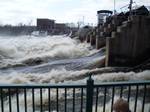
89, 97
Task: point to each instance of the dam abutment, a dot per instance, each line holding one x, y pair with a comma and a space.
127, 39
130, 44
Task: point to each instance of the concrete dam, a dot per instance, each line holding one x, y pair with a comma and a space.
126, 37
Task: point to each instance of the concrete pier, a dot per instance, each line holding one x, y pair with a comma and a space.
93, 38
100, 42
126, 37
88, 37
129, 45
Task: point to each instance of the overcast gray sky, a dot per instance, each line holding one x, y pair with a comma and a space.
25, 11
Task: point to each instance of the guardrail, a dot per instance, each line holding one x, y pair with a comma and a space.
89, 97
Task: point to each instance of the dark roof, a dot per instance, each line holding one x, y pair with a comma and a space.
148, 7
121, 14
139, 11
104, 11
45, 19
87, 27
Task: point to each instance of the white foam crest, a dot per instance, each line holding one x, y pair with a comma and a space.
121, 76
23, 48
55, 76
64, 76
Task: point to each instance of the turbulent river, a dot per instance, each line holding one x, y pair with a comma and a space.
51, 59
54, 59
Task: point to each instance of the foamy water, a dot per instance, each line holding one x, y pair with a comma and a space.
15, 50
25, 49
45, 102
27, 52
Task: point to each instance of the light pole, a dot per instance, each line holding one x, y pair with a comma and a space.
114, 7
130, 6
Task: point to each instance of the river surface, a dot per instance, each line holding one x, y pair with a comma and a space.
29, 59
52, 60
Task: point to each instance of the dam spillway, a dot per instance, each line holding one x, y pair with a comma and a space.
125, 36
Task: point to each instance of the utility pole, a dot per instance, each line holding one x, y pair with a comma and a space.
130, 6
83, 20
114, 7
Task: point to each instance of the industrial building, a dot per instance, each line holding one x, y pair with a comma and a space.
44, 24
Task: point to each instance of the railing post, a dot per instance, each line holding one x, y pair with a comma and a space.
89, 94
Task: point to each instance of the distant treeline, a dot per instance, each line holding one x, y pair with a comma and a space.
16, 30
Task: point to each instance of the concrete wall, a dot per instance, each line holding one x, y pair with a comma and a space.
127, 38
129, 45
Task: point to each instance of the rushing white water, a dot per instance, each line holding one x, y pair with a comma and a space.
59, 76
45, 102
42, 53
54, 60
15, 50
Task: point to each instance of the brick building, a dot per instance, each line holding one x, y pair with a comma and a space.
45, 24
